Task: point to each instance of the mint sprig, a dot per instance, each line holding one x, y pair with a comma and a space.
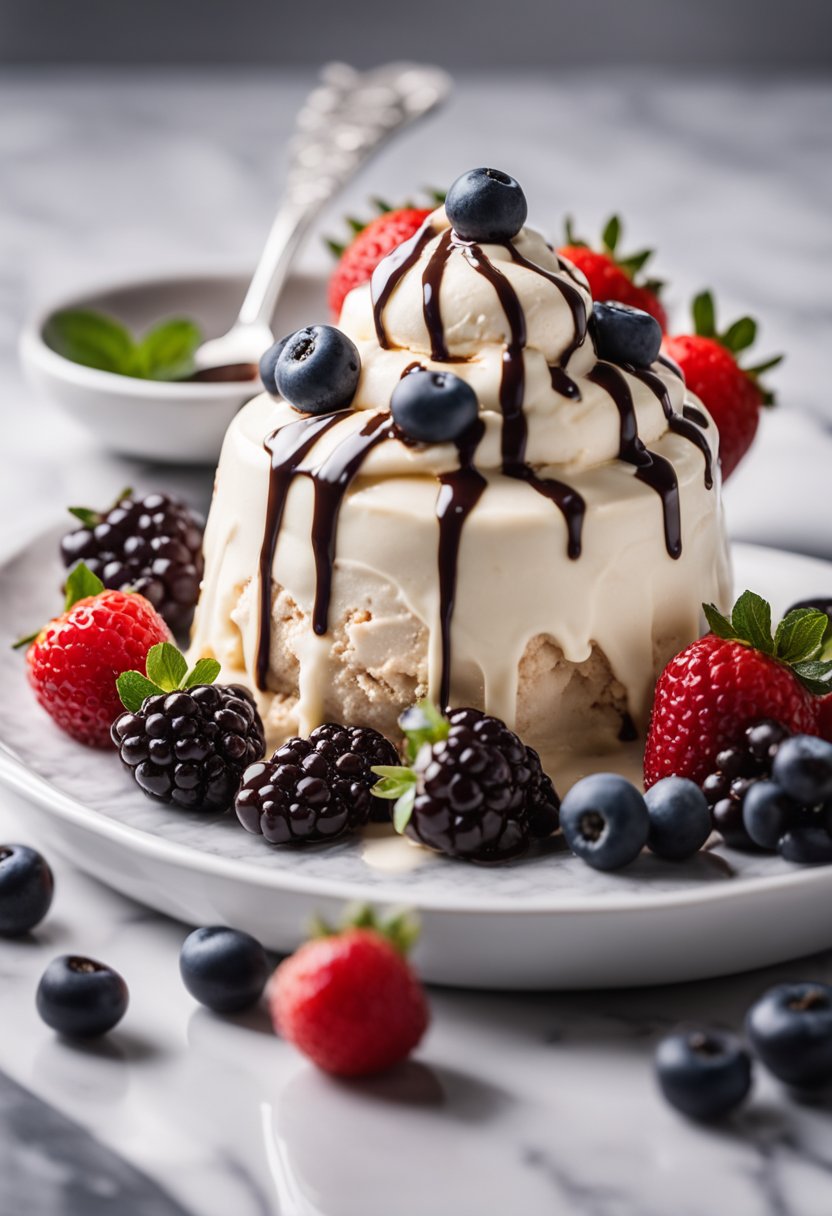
167, 671
799, 641
422, 725
93, 339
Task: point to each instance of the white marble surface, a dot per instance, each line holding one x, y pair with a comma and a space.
540, 1104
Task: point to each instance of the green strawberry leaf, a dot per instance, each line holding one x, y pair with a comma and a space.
751, 619
611, 233
799, 636
90, 519
89, 338
740, 335
166, 666
816, 675
569, 231
205, 671
719, 624
80, 584
765, 366
635, 262
401, 928
134, 689
403, 810
167, 351
27, 641
704, 315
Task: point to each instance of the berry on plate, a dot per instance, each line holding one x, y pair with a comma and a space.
185, 739
152, 545
613, 277
736, 674
314, 789
704, 1073
26, 889
471, 789
680, 821
434, 407
349, 1000
224, 969
81, 998
605, 821
790, 1028
317, 369
370, 243
73, 663
623, 334
732, 394
803, 768
486, 205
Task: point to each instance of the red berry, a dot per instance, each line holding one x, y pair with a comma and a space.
365, 251
74, 662
350, 1002
825, 717
608, 280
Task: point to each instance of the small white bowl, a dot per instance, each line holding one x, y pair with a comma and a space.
171, 421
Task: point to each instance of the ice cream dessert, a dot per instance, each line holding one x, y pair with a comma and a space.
541, 557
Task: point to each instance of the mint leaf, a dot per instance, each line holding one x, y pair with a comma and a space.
704, 315
166, 666
395, 780
89, 338
134, 688
611, 233
751, 619
167, 352
816, 675
81, 583
422, 723
740, 335
90, 519
403, 810
719, 624
205, 672
800, 634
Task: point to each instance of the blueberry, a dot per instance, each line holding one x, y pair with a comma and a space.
803, 767
624, 334
81, 998
790, 1028
224, 969
767, 813
317, 370
434, 407
705, 1074
806, 846
680, 821
605, 821
26, 889
267, 366
486, 205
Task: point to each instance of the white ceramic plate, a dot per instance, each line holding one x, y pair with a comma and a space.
547, 921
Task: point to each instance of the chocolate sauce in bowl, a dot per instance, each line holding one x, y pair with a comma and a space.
388, 274
679, 425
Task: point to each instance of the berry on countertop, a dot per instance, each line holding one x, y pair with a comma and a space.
704, 1073
605, 821
371, 243
612, 276
186, 740
349, 999
790, 1029
26, 889
471, 788
81, 998
73, 663
736, 674
680, 820
623, 334
152, 545
434, 407
732, 394
486, 205
224, 969
317, 369
314, 789
803, 768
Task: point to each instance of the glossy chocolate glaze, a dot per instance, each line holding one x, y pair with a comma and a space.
391, 270
679, 425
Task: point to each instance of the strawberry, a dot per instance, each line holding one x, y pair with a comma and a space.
736, 674
74, 661
612, 277
825, 717
732, 394
349, 1000
370, 243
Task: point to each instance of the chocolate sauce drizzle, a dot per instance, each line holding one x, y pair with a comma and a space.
679, 425
391, 270
431, 283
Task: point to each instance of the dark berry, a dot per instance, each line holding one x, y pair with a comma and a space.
152, 545
26, 889
767, 813
790, 1028
680, 821
314, 789
81, 998
705, 1073
763, 739
190, 748
803, 768
807, 846
486, 205
224, 969
605, 821
481, 793
268, 363
739, 770
434, 407
726, 817
317, 370
623, 334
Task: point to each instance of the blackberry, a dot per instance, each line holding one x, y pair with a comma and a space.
190, 747
152, 545
738, 769
314, 789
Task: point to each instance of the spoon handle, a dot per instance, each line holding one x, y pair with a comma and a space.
343, 122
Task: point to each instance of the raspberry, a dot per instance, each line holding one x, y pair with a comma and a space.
314, 789
152, 545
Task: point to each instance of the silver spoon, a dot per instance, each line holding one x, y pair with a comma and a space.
343, 122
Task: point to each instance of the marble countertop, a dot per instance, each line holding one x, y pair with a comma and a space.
537, 1104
